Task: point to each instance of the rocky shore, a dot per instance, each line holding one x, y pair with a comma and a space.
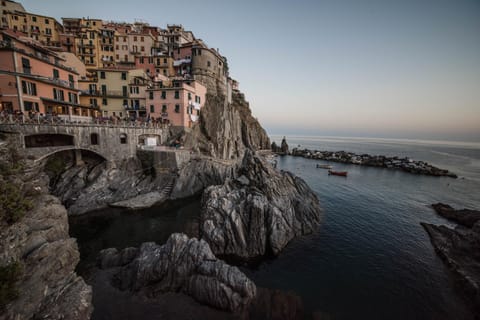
394, 163
459, 248
38, 243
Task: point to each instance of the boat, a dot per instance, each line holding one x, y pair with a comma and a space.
338, 173
324, 166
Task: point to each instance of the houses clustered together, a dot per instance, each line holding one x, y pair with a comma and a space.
87, 68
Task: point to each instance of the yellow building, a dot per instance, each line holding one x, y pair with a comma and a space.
118, 92
44, 29
90, 41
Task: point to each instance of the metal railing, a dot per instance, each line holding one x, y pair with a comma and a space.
66, 120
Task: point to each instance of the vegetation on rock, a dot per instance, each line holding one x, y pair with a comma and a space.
9, 274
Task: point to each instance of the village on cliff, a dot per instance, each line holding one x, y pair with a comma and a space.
85, 69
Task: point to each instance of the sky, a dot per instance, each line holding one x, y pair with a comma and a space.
368, 68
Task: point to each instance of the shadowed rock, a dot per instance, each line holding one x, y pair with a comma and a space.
181, 265
259, 212
459, 248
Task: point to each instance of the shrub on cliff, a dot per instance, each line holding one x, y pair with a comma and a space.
13, 204
9, 274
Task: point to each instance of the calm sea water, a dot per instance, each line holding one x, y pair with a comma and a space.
370, 258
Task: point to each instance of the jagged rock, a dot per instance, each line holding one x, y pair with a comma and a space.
198, 174
83, 188
464, 217
284, 146
48, 287
186, 265
226, 130
459, 248
260, 218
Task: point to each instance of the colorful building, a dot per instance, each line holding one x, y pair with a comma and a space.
44, 29
35, 79
178, 103
117, 91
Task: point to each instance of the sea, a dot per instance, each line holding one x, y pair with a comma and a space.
369, 259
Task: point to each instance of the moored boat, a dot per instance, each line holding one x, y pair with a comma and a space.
338, 173
324, 166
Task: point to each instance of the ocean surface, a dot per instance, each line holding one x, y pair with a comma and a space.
369, 259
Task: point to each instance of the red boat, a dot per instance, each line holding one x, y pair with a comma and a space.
338, 173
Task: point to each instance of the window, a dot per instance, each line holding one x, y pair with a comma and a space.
31, 106
71, 82
142, 48
56, 74
142, 60
47, 21
72, 98
177, 108
164, 60
124, 39
34, 19
29, 88
58, 94
164, 94
124, 76
152, 108
104, 101
189, 96
26, 66
164, 108
141, 39
134, 90
102, 74
150, 95
125, 91
208, 64
93, 102
104, 89
94, 138
177, 94
123, 138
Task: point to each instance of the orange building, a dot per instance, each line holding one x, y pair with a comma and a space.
35, 79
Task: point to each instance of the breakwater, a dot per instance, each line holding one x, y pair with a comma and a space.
396, 163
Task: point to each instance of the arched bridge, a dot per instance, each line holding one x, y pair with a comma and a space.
112, 141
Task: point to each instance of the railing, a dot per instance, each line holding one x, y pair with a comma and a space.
67, 120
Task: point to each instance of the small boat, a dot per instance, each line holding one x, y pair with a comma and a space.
324, 166
338, 173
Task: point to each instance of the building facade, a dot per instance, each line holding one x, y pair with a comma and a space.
34, 79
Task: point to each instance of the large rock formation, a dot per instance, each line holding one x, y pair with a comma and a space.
226, 130
89, 187
257, 213
39, 243
182, 264
459, 248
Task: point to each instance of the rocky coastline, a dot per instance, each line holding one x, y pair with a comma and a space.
379, 161
459, 247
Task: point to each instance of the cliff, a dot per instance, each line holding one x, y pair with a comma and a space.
227, 130
37, 242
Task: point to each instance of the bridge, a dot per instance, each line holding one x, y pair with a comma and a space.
112, 140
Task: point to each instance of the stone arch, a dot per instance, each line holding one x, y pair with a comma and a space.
52, 152
42, 140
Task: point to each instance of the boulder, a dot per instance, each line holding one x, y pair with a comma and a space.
248, 220
181, 265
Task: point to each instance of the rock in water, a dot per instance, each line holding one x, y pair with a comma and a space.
182, 264
459, 248
258, 214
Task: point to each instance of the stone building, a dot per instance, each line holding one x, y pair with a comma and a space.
35, 79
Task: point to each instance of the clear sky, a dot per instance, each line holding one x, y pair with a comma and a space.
385, 68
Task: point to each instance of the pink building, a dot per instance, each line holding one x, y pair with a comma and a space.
178, 104
35, 79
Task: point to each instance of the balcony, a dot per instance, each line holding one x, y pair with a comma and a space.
115, 93
86, 45
90, 93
